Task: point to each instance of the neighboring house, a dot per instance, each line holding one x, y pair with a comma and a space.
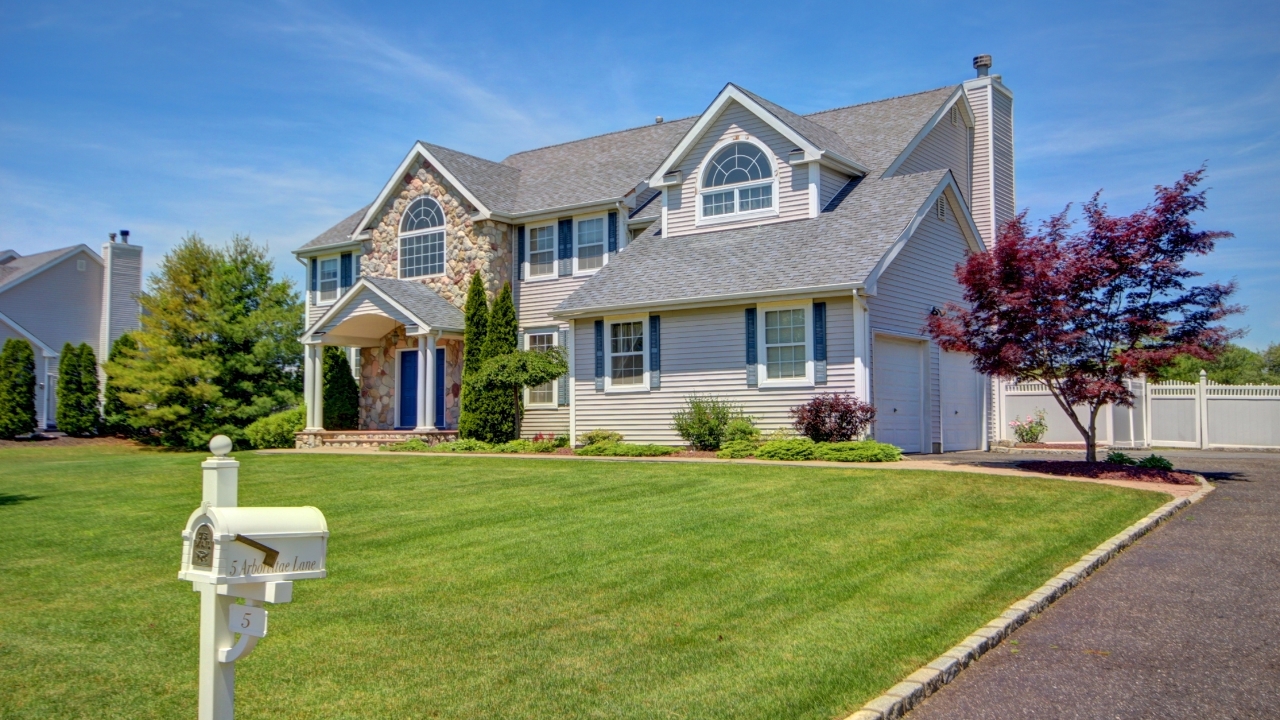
748, 252
69, 295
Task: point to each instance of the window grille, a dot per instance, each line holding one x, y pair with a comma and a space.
422, 239
784, 342
626, 353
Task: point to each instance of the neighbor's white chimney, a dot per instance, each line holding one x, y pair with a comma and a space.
121, 286
994, 199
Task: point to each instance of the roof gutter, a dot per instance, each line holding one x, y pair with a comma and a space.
706, 300
555, 211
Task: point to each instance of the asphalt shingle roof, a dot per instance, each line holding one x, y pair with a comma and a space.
493, 184
338, 234
422, 301
20, 266
824, 138
849, 238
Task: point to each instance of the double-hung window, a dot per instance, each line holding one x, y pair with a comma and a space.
422, 239
328, 279
737, 182
544, 394
626, 353
590, 239
785, 338
542, 251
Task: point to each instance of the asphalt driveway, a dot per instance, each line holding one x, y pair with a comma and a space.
1184, 624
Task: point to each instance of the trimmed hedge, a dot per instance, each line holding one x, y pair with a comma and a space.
864, 451
276, 431
617, 449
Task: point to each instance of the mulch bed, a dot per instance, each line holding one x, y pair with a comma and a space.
682, 453
1108, 471
1049, 446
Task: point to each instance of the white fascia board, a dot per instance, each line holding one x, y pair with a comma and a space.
730, 92
45, 349
347, 297
967, 227
956, 97
327, 249
591, 206
709, 301
990, 80
54, 261
418, 150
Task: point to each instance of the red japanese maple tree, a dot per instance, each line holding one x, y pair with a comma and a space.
1083, 311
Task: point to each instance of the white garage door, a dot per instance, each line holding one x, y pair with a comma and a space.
896, 365
961, 403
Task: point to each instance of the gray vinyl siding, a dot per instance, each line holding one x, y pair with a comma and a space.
921, 277
703, 352
980, 205
60, 304
314, 312
535, 299
832, 181
946, 147
793, 189
547, 421
1002, 145
126, 284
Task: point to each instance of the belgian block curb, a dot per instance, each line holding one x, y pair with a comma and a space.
897, 700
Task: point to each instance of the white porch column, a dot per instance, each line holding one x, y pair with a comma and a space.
314, 390
423, 425
429, 388
861, 349
308, 379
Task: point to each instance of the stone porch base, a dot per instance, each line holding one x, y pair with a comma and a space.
368, 438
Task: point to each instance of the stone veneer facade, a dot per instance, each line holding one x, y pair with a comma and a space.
378, 381
470, 247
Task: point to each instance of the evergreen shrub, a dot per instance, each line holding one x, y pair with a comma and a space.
737, 449
858, 451
740, 429
77, 414
341, 393
1155, 462
594, 437
17, 389
801, 448
276, 431
620, 449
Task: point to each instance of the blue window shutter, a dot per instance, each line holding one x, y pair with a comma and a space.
820, 343
344, 263
566, 247
562, 396
655, 352
752, 358
520, 340
599, 356
315, 272
613, 232
439, 389
520, 253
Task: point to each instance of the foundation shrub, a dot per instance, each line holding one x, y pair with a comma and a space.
801, 448
833, 417
737, 449
620, 449
858, 451
276, 431
594, 437
703, 421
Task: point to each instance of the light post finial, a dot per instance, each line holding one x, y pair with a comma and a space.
220, 445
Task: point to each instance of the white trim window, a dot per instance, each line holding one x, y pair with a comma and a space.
327, 282
738, 182
542, 252
589, 237
626, 358
786, 344
422, 239
543, 395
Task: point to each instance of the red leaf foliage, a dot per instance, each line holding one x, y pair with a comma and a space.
833, 417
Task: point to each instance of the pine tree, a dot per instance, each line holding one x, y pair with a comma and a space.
115, 419
17, 389
77, 412
90, 410
341, 394
476, 317
499, 408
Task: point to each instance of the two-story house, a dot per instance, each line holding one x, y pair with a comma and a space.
69, 295
748, 252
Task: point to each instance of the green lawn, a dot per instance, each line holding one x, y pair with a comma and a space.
468, 587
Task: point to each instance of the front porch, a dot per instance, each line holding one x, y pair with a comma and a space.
410, 367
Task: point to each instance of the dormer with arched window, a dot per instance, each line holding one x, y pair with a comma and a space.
422, 239
738, 183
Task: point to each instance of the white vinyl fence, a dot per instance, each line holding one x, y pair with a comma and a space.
1169, 414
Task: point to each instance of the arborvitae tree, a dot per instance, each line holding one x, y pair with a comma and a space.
499, 406
17, 389
77, 413
115, 419
341, 394
218, 346
476, 327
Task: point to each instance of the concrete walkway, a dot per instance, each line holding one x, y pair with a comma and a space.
1185, 624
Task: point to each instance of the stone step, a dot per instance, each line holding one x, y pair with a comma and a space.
368, 438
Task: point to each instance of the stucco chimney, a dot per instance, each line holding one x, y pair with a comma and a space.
121, 286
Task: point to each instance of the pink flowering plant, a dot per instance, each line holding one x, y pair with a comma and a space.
1031, 429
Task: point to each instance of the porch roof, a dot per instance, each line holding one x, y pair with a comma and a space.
374, 307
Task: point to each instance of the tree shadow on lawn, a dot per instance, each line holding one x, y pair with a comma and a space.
8, 499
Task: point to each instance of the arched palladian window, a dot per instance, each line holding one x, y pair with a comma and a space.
422, 239
738, 179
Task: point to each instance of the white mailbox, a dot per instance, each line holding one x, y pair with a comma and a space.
232, 545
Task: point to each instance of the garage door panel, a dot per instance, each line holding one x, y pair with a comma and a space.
898, 383
961, 403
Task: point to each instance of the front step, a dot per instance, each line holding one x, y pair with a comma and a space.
368, 438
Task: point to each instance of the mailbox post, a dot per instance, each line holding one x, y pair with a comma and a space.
254, 554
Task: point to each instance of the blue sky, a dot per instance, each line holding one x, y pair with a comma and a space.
276, 119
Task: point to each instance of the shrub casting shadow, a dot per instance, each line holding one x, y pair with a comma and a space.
7, 499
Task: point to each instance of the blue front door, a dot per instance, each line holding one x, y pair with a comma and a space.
408, 390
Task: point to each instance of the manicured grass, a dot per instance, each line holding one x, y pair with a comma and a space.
521, 588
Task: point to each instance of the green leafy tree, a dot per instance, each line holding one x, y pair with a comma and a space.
1235, 365
218, 346
77, 412
498, 404
17, 389
115, 418
341, 394
476, 326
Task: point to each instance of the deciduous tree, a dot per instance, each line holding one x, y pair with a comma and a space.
1084, 311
